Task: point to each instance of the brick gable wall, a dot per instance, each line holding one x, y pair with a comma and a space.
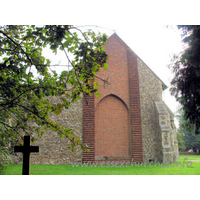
122, 75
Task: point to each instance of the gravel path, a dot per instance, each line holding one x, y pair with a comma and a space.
195, 160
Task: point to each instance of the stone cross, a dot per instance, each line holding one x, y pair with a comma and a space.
26, 150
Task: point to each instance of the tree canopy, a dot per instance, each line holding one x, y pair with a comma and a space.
186, 69
24, 103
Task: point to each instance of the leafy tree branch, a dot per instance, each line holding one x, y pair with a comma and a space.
24, 97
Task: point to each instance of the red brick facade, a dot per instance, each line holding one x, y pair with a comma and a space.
88, 127
135, 113
112, 123
111, 128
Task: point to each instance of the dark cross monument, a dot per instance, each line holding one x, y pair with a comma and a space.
26, 150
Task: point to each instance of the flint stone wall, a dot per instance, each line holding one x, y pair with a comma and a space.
150, 92
52, 148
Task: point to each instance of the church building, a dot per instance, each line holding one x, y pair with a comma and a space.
128, 122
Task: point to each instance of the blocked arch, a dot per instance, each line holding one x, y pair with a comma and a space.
115, 97
112, 128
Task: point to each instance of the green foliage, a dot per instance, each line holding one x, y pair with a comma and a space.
186, 135
181, 143
25, 106
186, 69
192, 141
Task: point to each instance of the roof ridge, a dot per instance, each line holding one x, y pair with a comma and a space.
115, 34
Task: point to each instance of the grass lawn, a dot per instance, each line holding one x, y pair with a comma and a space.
171, 169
